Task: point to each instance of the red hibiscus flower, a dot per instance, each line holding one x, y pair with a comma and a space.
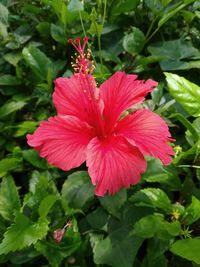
89, 127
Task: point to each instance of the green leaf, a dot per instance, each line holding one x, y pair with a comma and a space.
155, 171
152, 197
23, 233
58, 34
39, 63
9, 164
185, 92
113, 203
155, 225
9, 198
32, 157
77, 190
46, 204
187, 249
115, 250
24, 127
133, 42
13, 58
121, 6
9, 80
192, 212
3, 14
98, 218
173, 54
75, 5
11, 107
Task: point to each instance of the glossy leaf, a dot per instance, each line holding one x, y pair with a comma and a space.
185, 92
152, 197
133, 42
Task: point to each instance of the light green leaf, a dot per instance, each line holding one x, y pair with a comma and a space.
9, 198
11, 107
133, 42
77, 190
155, 226
185, 92
187, 249
39, 63
13, 58
23, 233
24, 127
75, 5
9, 164
152, 197
46, 204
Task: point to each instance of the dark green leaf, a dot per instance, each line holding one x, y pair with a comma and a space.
77, 190
32, 157
9, 80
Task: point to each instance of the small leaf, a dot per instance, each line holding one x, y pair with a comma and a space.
185, 92
192, 212
3, 14
23, 233
133, 42
9, 198
152, 197
187, 249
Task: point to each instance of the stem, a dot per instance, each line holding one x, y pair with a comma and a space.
84, 32
189, 166
150, 27
104, 13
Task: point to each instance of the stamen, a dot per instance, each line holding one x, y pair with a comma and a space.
82, 63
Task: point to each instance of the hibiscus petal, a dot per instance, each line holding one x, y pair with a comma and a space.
148, 132
113, 164
62, 141
72, 95
121, 92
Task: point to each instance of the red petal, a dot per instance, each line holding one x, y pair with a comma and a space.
71, 97
62, 141
121, 92
113, 164
148, 132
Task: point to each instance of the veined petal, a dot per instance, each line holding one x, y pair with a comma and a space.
72, 96
62, 141
113, 164
121, 92
148, 132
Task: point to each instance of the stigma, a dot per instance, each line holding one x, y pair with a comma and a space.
82, 63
